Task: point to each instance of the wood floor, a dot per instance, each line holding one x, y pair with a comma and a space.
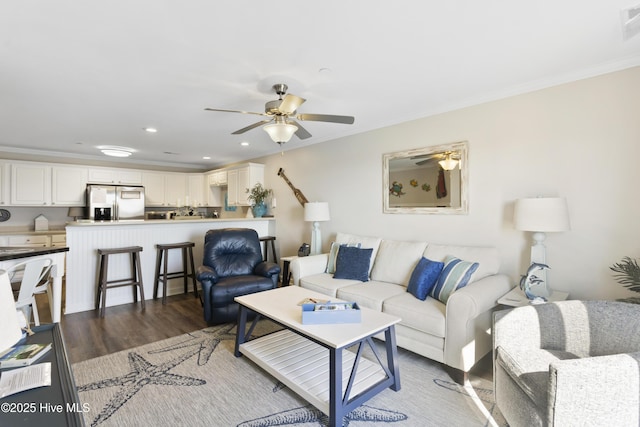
86, 335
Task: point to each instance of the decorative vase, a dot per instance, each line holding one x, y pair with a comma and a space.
259, 209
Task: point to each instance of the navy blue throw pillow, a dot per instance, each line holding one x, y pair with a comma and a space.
424, 278
353, 263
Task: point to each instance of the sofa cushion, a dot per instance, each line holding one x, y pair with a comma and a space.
455, 275
325, 283
364, 241
371, 294
396, 260
353, 263
333, 256
426, 316
488, 259
424, 277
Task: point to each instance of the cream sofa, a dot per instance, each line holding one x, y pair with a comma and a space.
456, 334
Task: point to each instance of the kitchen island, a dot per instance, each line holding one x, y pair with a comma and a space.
84, 238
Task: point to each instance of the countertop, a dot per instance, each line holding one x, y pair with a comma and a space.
84, 223
16, 232
8, 253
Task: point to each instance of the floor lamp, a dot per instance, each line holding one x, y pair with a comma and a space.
316, 212
541, 215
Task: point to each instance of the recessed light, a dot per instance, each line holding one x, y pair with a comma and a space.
244, 143
206, 158
150, 130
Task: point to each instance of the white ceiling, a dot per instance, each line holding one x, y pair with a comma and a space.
78, 74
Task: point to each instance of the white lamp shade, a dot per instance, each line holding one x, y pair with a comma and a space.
543, 214
316, 211
280, 132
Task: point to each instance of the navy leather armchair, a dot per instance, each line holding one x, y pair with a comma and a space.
232, 266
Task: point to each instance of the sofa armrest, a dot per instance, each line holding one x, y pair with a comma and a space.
602, 390
307, 266
468, 320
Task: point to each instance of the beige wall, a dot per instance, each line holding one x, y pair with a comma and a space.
579, 140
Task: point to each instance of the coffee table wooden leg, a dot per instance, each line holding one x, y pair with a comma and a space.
240, 329
392, 356
335, 387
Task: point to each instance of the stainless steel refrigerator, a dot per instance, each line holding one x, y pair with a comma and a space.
114, 202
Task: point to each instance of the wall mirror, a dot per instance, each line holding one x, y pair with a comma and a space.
430, 180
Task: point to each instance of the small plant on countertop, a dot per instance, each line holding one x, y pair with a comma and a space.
258, 194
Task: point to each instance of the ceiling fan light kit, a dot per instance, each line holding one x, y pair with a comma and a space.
280, 131
448, 163
282, 112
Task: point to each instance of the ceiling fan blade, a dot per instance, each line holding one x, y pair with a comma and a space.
253, 126
235, 111
347, 120
290, 103
301, 133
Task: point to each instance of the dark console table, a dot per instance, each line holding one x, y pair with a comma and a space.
51, 406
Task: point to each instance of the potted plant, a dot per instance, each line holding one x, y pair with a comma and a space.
257, 196
628, 274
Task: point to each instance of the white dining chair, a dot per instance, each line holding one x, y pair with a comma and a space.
35, 279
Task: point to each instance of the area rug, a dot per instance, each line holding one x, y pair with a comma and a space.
195, 380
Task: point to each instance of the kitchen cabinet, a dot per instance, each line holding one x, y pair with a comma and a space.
115, 176
164, 189
241, 178
4, 183
153, 188
195, 189
176, 189
58, 240
217, 178
68, 186
30, 184
28, 241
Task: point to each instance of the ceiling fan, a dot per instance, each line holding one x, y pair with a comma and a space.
448, 160
281, 123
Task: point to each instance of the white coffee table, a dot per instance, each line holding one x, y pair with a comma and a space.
305, 357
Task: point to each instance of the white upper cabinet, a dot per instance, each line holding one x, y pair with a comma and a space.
68, 185
196, 189
4, 184
115, 176
217, 177
30, 184
241, 178
164, 189
153, 188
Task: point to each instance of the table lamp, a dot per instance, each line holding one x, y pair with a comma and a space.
541, 215
316, 212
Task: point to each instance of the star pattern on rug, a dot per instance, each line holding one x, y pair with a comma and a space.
310, 414
142, 373
206, 344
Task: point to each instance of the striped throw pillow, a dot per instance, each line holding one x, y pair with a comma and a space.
455, 275
333, 255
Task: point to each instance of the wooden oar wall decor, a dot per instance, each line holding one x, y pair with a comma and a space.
296, 192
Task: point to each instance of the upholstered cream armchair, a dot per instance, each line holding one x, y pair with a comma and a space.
568, 363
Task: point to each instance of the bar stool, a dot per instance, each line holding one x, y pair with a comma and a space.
265, 241
164, 276
135, 280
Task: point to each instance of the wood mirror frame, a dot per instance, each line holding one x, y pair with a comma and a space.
415, 183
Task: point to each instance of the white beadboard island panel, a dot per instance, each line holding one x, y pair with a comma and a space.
84, 238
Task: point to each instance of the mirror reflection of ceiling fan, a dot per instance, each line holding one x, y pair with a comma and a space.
448, 160
281, 123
